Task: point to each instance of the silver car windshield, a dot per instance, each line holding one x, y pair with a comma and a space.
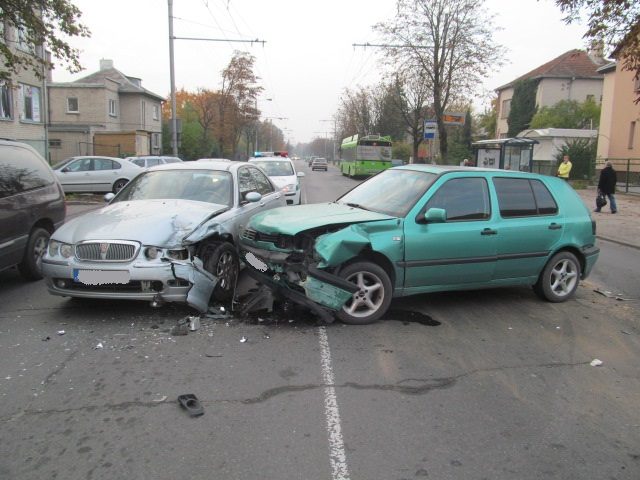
274, 168
211, 186
393, 192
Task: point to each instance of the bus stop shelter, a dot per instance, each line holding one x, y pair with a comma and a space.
505, 153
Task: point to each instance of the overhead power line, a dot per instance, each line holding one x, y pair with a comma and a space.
388, 45
220, 40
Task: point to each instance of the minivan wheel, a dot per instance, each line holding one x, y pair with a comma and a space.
559, 279
221, 260
31, 266
119, 184
372, 299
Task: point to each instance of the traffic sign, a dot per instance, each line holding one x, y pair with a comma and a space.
430, 129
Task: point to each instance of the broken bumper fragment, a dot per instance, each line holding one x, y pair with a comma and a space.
306, 285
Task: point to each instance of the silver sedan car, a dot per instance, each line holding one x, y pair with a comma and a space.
169, 235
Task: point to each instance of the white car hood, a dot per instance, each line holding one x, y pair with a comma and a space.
162, 223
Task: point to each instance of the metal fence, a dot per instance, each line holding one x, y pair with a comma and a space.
627, 171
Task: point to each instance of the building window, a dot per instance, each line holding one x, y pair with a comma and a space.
156, 112
30, 103
506, 108
5, 101
112, 107
23, 43
72, 105
55, 143
155, 140
632, 134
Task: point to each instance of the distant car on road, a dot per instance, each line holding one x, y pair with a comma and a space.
31, 208
319, 164
282, 172
95, 174
170, 235
423, 228
148, 161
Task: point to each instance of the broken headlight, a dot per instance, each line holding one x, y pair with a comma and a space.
182, 254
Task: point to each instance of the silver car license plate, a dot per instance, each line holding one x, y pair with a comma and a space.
101, 277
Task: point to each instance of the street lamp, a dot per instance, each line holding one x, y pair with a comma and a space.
258, 122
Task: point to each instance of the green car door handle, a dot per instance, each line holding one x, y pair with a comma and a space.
488, 231
555, 226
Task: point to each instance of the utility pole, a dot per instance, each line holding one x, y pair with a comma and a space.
174, 129
174, 133
335, 122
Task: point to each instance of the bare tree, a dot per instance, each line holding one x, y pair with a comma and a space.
237, 100
449, 42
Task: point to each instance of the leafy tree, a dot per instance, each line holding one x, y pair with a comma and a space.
449, 43
616, 23
401, 150
523, 106
46, 22
582, 153
568, 114
487, 121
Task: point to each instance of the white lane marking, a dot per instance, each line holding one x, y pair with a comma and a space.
337, 454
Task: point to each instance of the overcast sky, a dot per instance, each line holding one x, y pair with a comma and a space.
307, 60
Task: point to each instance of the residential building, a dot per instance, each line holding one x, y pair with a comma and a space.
619, 135
22, 101
104, 113
571, 76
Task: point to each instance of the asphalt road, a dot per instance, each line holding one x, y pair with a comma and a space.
493, 384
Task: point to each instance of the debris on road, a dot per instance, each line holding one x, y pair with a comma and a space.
99, 346
191, 404
160, 399
211, 355
243, 339
194, 323
46, 339
608, 294
180, 329
596, 363
61, 332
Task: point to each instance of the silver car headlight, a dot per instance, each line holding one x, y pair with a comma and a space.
182, 254
152, 253
60, 249
289, 188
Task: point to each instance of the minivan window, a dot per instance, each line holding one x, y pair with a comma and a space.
21, 170
516, 197
463, 199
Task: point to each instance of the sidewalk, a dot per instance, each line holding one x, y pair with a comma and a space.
623, 227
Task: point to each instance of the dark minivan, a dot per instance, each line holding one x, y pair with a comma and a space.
31, 208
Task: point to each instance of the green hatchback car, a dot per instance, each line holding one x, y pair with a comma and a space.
423, 228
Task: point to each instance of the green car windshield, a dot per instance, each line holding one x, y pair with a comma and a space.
393, 192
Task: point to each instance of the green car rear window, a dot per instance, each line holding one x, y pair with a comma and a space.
522, 197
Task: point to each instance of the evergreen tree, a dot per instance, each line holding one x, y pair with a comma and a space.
523, 106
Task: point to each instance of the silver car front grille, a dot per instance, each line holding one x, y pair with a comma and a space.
107, 251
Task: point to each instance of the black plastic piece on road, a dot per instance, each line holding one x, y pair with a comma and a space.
191, 404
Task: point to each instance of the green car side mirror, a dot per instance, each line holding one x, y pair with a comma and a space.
433, 215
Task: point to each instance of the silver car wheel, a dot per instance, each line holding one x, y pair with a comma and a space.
563, 278
226, 270
369, 298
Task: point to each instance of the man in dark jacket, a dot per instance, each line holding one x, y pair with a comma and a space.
607, 185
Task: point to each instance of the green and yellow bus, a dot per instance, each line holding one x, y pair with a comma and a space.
364, 156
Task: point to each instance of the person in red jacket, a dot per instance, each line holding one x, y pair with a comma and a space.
607, 186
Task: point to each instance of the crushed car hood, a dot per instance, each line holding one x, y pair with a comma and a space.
283, 181
291, 220
162, 223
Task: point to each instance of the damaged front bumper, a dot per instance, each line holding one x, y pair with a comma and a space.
179, 281
321, 291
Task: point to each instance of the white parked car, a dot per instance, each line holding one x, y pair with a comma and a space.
170, 235
95, 174
282, 172
152, 160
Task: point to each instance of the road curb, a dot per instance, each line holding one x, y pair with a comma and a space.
619, 242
